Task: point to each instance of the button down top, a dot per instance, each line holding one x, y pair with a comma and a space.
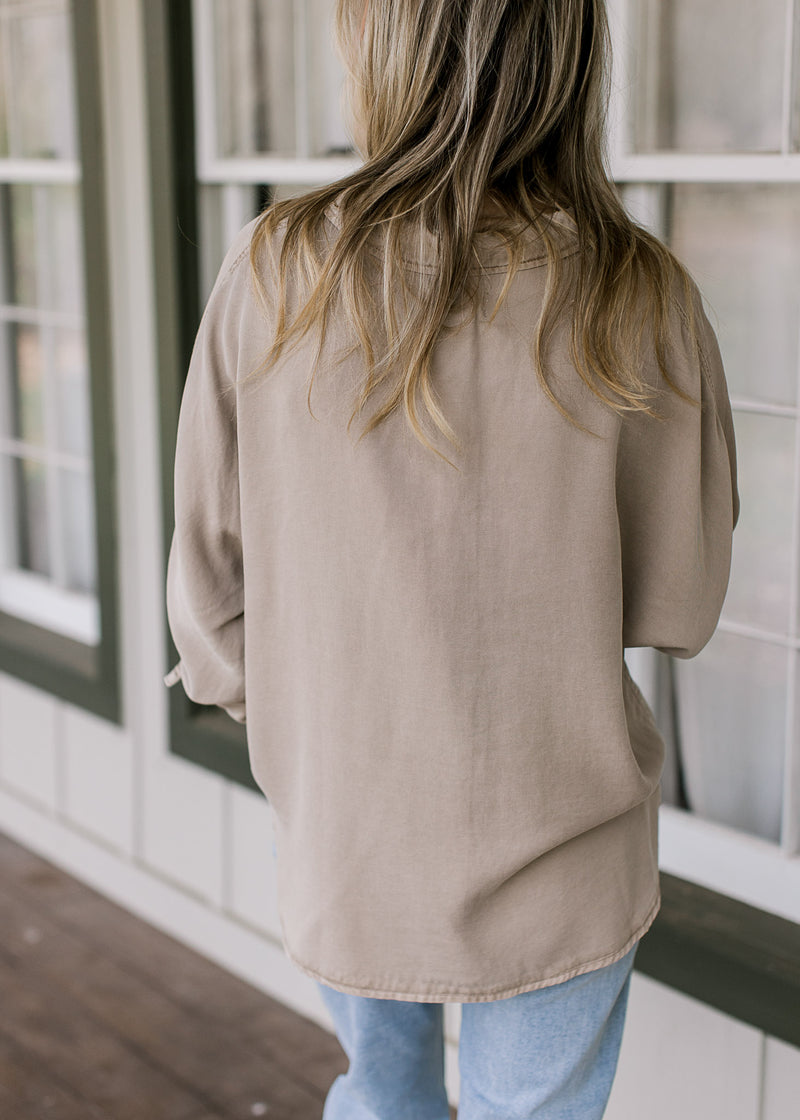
463, 775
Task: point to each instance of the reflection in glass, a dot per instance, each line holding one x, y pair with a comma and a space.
28, 382
731, 705
72, 391
65, 291
329, 135
709, 75
34, 547
39, 88
21, 223
277, 78
742, 244
77, 522
255, 76
761, 565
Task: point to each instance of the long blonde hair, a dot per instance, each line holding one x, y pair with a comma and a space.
464, 103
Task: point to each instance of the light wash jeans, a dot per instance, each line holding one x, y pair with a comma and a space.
549, 1054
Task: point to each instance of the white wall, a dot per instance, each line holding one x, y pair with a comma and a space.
188, 850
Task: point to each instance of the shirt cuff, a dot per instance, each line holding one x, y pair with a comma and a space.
173, 675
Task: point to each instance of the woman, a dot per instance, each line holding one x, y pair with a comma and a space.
424, 628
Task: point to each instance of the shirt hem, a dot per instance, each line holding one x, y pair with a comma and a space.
439, 994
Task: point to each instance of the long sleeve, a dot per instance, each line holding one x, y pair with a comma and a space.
204, 587
678, 502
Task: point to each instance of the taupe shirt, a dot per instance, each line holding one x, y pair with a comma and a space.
464, 776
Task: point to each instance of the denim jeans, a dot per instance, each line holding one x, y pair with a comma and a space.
549, 1054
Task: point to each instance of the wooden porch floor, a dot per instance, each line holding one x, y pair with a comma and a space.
106, 1018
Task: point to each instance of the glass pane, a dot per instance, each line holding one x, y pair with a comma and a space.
22, 280
77, 523
731, 711
761, 566
73, 416
710, 75
254, 69
742, 244
45, 263
65, 290
328, 133
34, 547
27, 358
39, 93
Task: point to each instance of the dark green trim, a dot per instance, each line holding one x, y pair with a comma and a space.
86, 676
734, 957
206, 736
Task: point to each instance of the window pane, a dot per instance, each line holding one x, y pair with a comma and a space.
267, 55
742, 243
329, 136
731, 710
39, 93
72, 392
45, 259
761, 567
34, 547
65, 287
710, 75
21, 284
77, 523
255, 76
27, 360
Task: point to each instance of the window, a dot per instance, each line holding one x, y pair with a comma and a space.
56, 625
267, 86
254, 90
707, 151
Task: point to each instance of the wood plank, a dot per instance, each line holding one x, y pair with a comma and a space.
190, 1048
84, 1056
200, 1025
30, 1092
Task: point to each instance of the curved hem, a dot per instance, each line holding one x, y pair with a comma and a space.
460, 995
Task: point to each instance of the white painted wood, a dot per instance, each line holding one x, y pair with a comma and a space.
781, 1081
682, 1059
680, 167
98, 778
277, 169
34, 597
39, 171
250, 882
29, 741
182, 826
